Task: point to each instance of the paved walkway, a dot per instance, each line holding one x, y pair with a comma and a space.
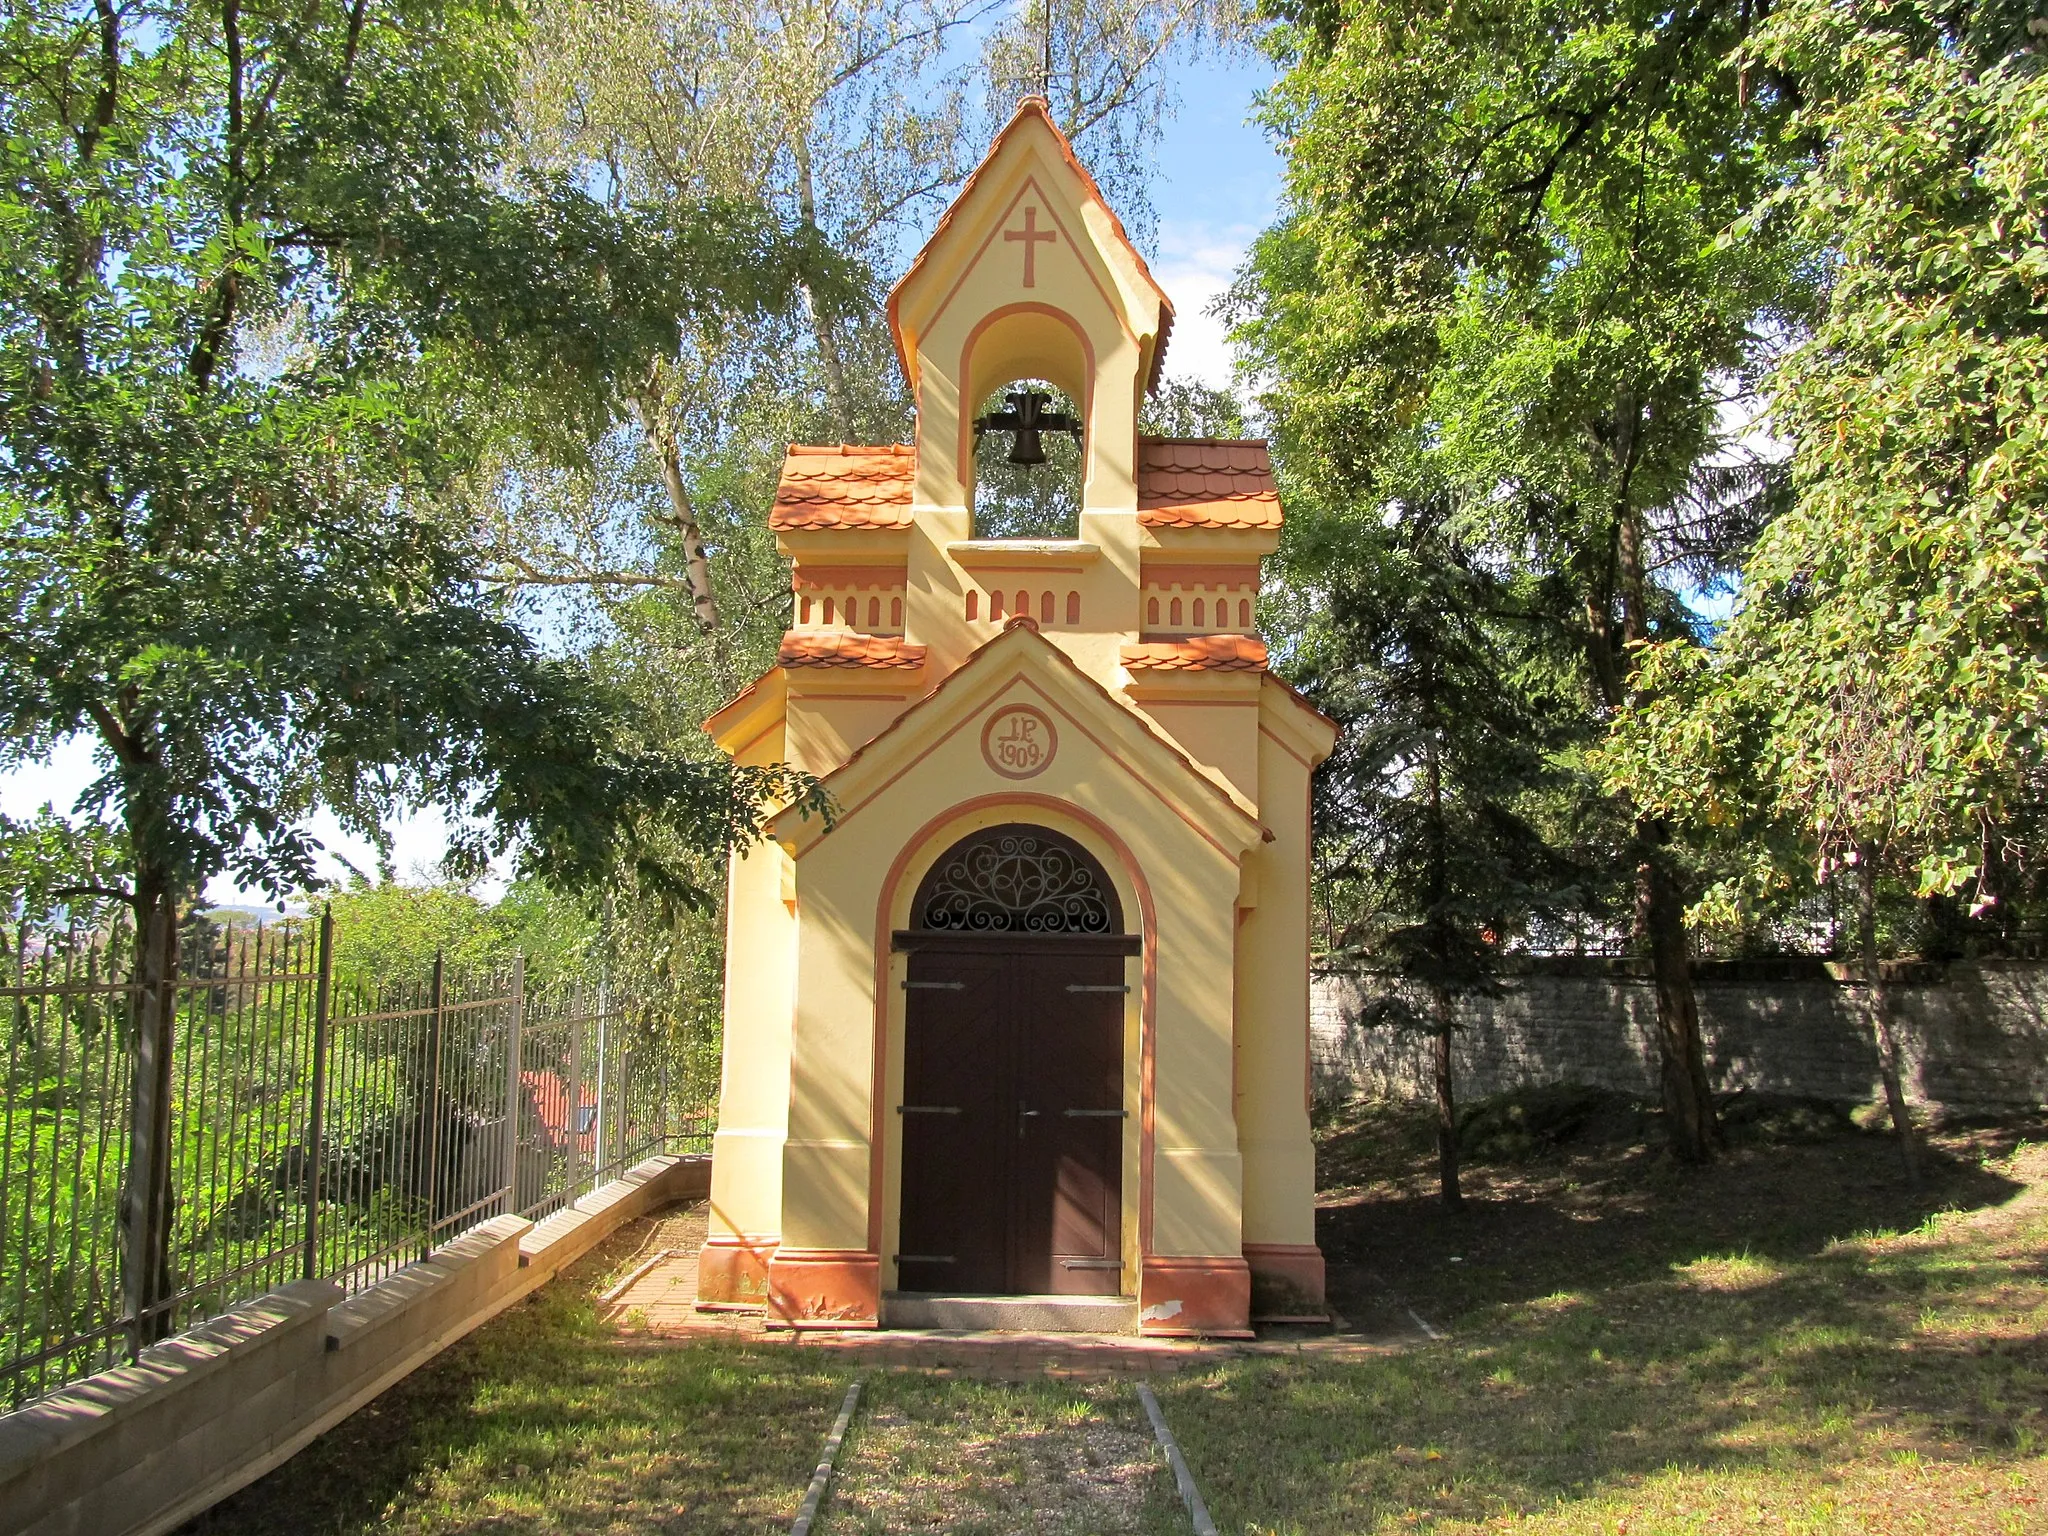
657, 1302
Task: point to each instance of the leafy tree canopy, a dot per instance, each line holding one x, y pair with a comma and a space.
278, 276
1880, 684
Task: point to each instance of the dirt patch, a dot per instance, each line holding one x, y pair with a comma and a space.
968, 1458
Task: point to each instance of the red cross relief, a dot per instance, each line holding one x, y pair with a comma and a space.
1030, 234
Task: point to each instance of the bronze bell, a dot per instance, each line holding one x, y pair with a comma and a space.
1025, 421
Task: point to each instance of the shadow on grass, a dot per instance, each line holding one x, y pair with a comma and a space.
1683, 1352
541, 1422
1610, 1211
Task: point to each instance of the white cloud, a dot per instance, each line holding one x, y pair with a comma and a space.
1197, 263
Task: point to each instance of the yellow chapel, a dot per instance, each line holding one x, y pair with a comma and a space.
1021, 1038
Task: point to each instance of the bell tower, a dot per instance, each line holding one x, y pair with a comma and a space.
1029, 276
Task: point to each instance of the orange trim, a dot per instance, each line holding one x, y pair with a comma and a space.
1233, 576
965, 381
1183, 1297
824, 1288
1031, 188
1287, 1282
1038, 107
1303, 700
816, 578
732, 1272
1148, 930
1287, 749
1139, 719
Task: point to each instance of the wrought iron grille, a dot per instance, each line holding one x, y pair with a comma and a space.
1018, 879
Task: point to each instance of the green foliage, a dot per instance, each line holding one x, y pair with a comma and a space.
1881, 681
1028, 501
52, 868
279, 278
1430, 846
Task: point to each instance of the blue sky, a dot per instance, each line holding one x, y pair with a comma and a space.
1218, 184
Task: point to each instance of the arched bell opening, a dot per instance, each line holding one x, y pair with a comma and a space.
1028, 462
1013, 1120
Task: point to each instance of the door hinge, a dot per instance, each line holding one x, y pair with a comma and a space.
1074, 986
927, 1109
1097, 1114
1091, 1263
923, 1258
935, 986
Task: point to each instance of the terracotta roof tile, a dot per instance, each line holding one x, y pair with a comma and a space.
844, 487
883, 651
1206, 482
1196, 653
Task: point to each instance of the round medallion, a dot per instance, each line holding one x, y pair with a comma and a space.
1019, 742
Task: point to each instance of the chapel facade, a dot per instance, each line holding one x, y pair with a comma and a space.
1030, 1017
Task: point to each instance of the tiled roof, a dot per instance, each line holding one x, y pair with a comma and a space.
844, 487
1206, 482
885, 651
1196, 653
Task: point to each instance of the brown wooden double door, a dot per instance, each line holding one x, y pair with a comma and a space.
1012, 1117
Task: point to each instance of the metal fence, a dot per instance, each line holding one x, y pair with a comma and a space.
317, 1126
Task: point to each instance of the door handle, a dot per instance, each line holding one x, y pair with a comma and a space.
1024, 1114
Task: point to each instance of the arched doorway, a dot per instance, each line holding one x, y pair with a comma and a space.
1012, 1115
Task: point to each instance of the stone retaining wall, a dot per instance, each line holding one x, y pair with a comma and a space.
1974, 1035
139, 1450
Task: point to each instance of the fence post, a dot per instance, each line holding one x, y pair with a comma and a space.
575, 1126
625, 1104
434, 1107
316, 1115
515, 1029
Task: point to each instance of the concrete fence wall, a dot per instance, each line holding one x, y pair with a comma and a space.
140, 1449
1974, 1035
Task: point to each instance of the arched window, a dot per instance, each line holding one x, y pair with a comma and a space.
1073, 607
973, 603
896, 610
1201, 614
1027, 500
1173, 614
995, 606
1244, 614
1045, 607
1017, 878
828, 612
1152, 612
803, 610
874, 613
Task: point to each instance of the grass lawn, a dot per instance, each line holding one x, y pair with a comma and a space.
1791, 1341
545, 1420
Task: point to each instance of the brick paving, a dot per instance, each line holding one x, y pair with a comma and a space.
659, 1304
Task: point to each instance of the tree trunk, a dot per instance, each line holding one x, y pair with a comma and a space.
838, 398
1446, 1104
696, 559
1878, 1007
146, 1280
1688, 1097
1690, 1124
